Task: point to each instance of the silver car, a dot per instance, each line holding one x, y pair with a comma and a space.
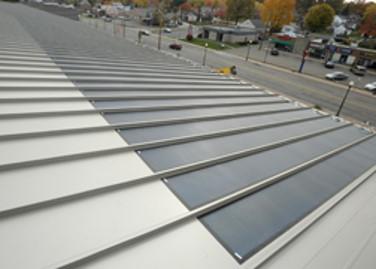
371, 87
336, 76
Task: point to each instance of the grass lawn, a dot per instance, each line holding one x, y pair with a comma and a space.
211, 44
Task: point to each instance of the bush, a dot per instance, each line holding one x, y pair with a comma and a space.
318, 107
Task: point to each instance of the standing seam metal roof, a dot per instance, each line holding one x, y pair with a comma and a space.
247, 163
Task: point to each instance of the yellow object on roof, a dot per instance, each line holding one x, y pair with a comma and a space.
227, 70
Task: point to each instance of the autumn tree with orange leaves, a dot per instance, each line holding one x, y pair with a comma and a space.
277, 13
369, 21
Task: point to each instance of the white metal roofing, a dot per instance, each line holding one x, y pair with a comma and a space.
117, 158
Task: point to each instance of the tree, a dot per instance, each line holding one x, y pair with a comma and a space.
198, 4
337, 5
355, 8
213, 4
304, 5
368, 26
141, 3
319, 17
240, 9
277, 13
176, 3
162, 7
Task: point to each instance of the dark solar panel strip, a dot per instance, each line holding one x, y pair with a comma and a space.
152, 144
156, 176
133, 109
205, 209
131, 97
143, 124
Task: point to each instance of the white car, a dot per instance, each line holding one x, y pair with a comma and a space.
336, 76
371, 87
145, 32
167, 30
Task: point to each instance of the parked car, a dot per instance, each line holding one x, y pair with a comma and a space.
123, 18
144, 32
336, 76
89, 14
371, 87
329, 64
358, 70
167, 30
172, 25
274, 52
107, 18
176, 46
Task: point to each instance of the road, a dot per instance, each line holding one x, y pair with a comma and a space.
291, 61
360, 105
312, 67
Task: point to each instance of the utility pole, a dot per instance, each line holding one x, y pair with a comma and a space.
160, 36
267, 50
265, 35
248, 50
304, 56
160, 12
124, 28
139, 35
205, 52
351, 84
305, 53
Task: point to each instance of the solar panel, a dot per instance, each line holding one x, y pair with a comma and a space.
100, 139
251, 223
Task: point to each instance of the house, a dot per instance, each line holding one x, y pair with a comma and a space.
339, 26
229, 34
190, 16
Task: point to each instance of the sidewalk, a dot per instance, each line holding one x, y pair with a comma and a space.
345, 67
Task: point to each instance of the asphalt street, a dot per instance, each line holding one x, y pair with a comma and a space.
291, 61
360, 105
312, 67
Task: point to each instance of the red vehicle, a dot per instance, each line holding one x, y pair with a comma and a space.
175, 46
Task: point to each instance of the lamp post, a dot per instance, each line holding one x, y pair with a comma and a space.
160, 12
124, 28
139, 35
248, 50
160, 36
304, 56
266, 50
205, 52
351, 84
